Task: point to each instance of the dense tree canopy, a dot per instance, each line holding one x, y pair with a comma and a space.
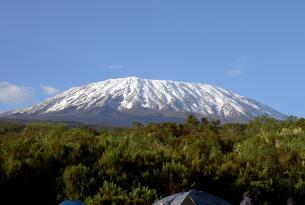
48, 162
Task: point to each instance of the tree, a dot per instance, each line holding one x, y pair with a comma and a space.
77, 181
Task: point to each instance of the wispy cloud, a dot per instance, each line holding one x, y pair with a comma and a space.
13, 94
239, 67
235, 72
112, 67
171, 11
242, 60
48, 90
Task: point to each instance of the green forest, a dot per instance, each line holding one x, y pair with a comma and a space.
45, 163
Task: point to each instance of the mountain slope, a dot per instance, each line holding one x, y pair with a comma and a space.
124, 100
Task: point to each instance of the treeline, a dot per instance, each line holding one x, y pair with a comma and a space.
43, 163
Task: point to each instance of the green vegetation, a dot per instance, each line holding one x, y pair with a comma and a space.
42, 163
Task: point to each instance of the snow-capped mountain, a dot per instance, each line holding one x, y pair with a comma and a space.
124, 100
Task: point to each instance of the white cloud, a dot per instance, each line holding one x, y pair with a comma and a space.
239, 67
13, 94
48, 90
235, 72
113, 67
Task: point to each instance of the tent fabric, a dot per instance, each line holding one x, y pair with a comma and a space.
71, 202
192, 197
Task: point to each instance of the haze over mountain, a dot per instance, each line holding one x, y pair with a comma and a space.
125, 100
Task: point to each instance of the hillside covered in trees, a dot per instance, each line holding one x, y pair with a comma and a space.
45, 163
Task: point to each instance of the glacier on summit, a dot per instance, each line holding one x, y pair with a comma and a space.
124, 100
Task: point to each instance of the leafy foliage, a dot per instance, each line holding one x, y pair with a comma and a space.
51, 162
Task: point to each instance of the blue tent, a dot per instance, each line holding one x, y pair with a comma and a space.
71, 202
192, 197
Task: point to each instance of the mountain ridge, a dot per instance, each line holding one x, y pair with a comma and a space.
124, 100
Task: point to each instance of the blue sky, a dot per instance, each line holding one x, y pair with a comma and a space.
255, 48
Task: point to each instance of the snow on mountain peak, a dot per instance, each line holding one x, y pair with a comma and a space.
137, 96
